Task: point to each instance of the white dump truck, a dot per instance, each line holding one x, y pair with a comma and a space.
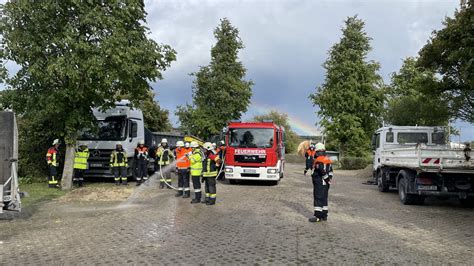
419, 162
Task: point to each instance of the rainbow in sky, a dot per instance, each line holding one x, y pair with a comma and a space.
299, 126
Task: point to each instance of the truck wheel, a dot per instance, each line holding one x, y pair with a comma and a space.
405, 198
468, 202
232, 181
273, 183
382, 182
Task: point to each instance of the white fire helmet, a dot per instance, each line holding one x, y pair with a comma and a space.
207, 146
56, 141
141, 142
214, 146
186, 144
179, 143
320, 147
118, 143
164, 141
194, 144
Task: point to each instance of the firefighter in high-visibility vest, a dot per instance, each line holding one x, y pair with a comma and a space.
182, 166
141, 159
80, 164
52, 158
119, 164
309, 156
322, 177
164, 157
196, 158
210, 169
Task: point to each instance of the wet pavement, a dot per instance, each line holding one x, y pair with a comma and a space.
252, 223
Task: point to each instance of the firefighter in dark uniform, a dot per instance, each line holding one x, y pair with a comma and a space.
322, 176
309, 155
210, 169
119, 164
80, 164
221, 154
52, 158
164, 157
141, 159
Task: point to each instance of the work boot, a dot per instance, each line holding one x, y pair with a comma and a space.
186, 194
211, 202
125, 183
117, 183
205, 201
162, 185
314, 219
194, 201
138, 183
305, 171
168, 187
325, 216
179, 194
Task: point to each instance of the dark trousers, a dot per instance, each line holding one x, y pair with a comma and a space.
183, 180
320, 194
142, 169
309, 164
210, 185
197, 187
53, 180
78, 176
120, 173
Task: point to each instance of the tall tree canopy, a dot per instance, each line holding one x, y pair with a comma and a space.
75, 55
155, 117
450, 52
220, 91
408, 104
281, 119
351, 98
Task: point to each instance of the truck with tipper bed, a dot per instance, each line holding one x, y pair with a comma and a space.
420, 162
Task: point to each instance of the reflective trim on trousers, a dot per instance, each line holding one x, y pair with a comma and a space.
117, 179
213, 196
197, 191
325, 208
318, 209
179, 189
186, 189
208, 195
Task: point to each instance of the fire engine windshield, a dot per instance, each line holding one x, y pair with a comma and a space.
251, 137
109, 129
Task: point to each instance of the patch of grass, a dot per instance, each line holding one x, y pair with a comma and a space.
39, 193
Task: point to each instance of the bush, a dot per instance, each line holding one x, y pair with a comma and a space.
354, 163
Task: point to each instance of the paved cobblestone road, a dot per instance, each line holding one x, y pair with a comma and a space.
251, 223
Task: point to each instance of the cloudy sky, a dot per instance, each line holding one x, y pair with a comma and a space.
286, 44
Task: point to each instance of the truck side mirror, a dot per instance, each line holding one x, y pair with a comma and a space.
374, 142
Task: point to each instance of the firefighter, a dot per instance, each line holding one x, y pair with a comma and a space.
322, 176
164, 156
221, 154
196, 158
52, 158
187, 146
309, 155
210, 168
182, 166
119, 164
141, 159
80, 164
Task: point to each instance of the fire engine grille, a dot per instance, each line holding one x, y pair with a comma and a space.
249, 159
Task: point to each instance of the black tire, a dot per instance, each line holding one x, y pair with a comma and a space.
273, 183
232, 181
382, 183
468, 202
405, 198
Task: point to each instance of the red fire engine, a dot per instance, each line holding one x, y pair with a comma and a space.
255, 151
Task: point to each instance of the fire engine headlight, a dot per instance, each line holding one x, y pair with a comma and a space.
229, 170
272, 171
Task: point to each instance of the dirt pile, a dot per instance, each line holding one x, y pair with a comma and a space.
102, 193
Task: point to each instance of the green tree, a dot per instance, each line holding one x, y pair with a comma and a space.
220, 91
351, 98
75, 55
450, 52
156, 118
407, 103
281, 119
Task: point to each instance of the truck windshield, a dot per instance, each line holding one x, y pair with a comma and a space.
251, 137
109, 129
